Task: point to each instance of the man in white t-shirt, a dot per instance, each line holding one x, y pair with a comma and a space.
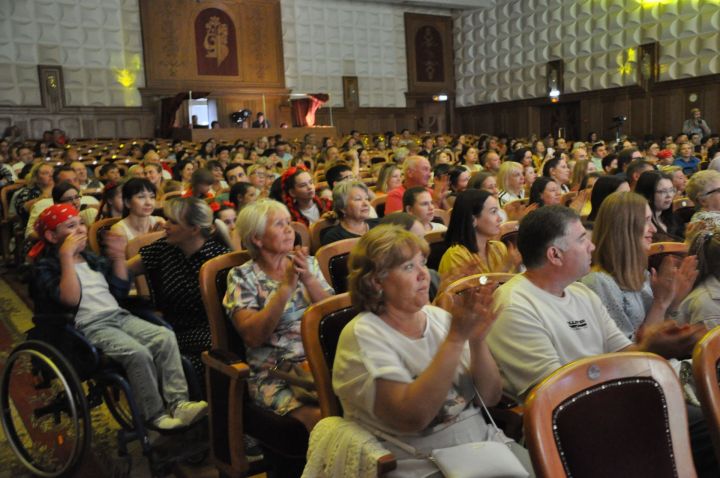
546, 319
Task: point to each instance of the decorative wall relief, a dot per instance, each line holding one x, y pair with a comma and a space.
215, 43
429, 54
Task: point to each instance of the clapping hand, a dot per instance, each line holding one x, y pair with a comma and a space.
114, 246
670, 339
471, 311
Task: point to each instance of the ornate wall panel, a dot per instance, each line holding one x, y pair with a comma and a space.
217, 46
97, 42
500, 51
325, 40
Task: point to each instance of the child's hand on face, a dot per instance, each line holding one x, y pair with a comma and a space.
73, 244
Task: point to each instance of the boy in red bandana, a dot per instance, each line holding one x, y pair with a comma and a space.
68, 279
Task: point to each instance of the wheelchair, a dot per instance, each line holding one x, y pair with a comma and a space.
48, 387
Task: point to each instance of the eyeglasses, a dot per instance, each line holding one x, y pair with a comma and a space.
666, 192
77, 197
712, 191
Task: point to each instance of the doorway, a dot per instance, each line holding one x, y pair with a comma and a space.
560, 120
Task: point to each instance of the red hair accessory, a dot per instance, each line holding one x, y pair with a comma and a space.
291, 171
49, 220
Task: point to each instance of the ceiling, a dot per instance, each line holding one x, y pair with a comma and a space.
446, 4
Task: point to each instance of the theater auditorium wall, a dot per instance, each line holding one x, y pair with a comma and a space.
72, 64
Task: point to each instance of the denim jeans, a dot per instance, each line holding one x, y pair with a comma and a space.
148, 353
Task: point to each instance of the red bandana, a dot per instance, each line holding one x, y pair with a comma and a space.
49, 220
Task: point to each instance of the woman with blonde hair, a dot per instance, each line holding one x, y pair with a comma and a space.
622, 234
409, 369
389, 177
703, 189
580, 171
511, 182
39, 185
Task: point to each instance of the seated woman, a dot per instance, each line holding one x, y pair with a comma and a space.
657, 188
265, 300
154, 173
510, 180
408, 369
351, 203
111, 203
471, 160
298, 194
172, 265
703, 189
633, 296
389, 177
242, 194
183, 171
545, 192
603, 187
474, 221
458, 179
678, 178
702, 305
418, 202
138, 205
39, 185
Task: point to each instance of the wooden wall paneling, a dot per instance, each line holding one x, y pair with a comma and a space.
72, 126
107, 128
37, 126
661, 110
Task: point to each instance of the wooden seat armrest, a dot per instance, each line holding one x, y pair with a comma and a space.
235, 370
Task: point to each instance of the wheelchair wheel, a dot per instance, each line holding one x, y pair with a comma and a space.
44, 411
117, 403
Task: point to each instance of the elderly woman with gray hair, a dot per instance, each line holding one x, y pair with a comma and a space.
351, 204
172, 264
266, 298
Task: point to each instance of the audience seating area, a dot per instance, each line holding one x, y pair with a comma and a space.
620, 414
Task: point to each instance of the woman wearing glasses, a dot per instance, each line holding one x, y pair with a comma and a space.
703, 189
659, 191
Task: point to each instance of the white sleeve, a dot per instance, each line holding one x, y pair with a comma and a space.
362, 357
523, 350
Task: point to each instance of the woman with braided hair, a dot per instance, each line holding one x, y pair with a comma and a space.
298, 194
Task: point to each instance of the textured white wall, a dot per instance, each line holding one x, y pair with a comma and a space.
97, 42
501, 52
324, 40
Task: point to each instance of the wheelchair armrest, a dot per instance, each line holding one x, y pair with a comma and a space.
235, 370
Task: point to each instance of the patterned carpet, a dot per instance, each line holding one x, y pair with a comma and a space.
101, 459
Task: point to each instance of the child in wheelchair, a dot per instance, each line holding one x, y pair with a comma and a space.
68, 279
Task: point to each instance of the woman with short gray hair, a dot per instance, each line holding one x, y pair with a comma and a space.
265, 299
351, 204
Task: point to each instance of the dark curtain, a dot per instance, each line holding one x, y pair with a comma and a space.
303, 109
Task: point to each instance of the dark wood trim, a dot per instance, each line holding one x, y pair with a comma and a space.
632, 90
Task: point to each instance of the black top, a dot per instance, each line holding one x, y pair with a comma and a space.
338, 233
